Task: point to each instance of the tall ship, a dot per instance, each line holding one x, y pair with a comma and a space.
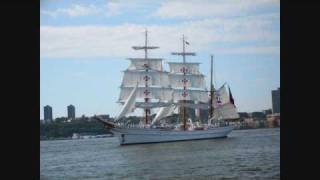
157, 94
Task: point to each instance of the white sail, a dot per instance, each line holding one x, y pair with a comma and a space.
190, 67
221, 96
193, 80
191, 94
139, 63
160, 93
129, 104
164, 112
225, 111
155, 78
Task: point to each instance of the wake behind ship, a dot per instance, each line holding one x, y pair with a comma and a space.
147, 86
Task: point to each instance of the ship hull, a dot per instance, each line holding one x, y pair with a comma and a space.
143, 136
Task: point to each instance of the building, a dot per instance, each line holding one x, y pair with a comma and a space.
71, 112
267, 111
273, 120
258, 116
47, 113
276, 101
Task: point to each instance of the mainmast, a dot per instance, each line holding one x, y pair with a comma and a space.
185, 81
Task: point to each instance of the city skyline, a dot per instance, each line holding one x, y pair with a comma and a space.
84, 46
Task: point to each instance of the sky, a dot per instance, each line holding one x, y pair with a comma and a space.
84, 45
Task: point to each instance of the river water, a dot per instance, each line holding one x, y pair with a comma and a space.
245, 154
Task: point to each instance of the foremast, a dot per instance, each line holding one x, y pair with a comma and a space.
146, 67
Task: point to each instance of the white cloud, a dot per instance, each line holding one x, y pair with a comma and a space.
74, 10
204, 35
213, 8
117, 7
110, 8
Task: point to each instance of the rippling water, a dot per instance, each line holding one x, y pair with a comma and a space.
245, 154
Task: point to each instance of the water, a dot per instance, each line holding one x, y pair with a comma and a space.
245, 154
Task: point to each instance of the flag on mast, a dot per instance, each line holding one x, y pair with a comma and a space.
230, 96
187, 42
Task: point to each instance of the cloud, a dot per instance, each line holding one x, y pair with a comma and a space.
204, 35
74, 10
110, 8
211, 8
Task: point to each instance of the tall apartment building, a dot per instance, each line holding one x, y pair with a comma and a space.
47, 113
71, 112
276, 101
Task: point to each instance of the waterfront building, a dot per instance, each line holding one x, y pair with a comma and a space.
267, 111
273, 120
276, 101
249, 123
243, 115
47, 113
71, 112
258, 115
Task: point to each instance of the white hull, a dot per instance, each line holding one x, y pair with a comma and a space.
141, 136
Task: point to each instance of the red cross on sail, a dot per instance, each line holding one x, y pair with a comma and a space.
184, 70
184, 81
146, 92
146, 78
146, 66
218, 98
184, 94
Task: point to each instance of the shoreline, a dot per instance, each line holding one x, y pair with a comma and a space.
70, 138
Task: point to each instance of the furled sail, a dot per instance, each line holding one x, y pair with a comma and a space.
155, 78
129, 104
192, 80
188, 67
140, 63
160, 93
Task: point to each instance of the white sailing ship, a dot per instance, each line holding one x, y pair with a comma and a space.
147, 86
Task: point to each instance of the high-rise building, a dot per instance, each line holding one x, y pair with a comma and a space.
71, 112
276, 101
47, 113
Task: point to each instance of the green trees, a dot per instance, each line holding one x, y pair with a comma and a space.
61, 128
